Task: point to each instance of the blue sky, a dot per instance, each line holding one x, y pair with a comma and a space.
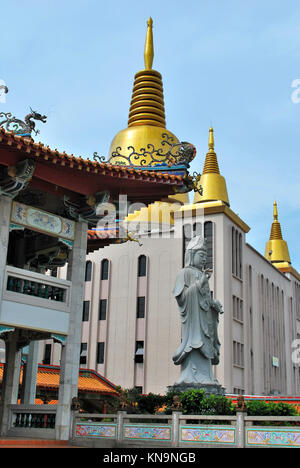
226, 63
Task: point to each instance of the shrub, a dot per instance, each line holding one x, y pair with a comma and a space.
262, 408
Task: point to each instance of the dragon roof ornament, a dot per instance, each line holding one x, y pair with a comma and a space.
19, 127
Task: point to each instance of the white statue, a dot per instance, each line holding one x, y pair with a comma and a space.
199, 313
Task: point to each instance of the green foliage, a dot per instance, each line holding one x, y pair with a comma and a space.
262, 408
196, 402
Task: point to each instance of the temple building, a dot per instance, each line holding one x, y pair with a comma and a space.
130, 321
49, 202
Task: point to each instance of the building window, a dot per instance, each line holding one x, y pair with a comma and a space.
83, 353
237, 308
88, 271
100, 352
236, 249
86, 311
102, 309
208, 234
142, 265
238, 354
186, 237
139, 352
104, 269
47, 354
140, 307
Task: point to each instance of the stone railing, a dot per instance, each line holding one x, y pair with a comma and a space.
178, 430
32, 421
33, 288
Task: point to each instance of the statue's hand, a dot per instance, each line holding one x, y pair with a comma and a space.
218, 307
207, 273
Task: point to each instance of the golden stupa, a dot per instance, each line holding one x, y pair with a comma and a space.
141, 142
212, 182
276, 250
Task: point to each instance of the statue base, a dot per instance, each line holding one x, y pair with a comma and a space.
213, 388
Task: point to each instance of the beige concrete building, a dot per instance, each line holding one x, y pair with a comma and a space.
131, 325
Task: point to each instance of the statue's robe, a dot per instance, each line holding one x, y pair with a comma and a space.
199, 348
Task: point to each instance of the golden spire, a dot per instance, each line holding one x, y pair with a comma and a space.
276, 250
211, 181
149, 49
146, 120
211, 162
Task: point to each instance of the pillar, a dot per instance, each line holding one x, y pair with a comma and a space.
5, 210
68, 385
30, 374
11, 379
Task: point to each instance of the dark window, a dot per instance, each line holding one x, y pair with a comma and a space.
83, 353
100, 353
142, 265
47, 354
88, 271
139, 352
140, 307
186, 237
102, 309
104, 269
54, 272
86, 311
208, 234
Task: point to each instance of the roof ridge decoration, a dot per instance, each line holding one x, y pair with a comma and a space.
20, 127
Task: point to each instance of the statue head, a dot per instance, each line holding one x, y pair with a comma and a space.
196, 252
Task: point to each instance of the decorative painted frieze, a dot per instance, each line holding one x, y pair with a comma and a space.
42, 221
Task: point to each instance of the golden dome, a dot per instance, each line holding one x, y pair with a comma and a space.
212, 183
276, 250
146, 140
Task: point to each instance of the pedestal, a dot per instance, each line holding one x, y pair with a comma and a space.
209, 388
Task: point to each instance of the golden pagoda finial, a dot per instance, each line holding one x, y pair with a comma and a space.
275, 211
276, 250
212, 182
149, 48
211, 141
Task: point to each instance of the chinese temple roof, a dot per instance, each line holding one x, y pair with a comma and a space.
88, 380
69, 174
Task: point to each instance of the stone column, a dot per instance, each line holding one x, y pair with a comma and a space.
176, 428
30, 374
69, 369
5, 209
11, 379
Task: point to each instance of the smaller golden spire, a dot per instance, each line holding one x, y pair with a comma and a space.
149, 48
276, 250
276, 228
212, 182
211, 163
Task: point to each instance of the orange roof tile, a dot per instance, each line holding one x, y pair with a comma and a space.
40, 151
88, 380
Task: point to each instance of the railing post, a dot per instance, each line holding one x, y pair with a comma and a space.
175, 427
240, 429
120, 424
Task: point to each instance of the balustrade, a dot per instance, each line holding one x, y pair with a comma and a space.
35, 420
37, 289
